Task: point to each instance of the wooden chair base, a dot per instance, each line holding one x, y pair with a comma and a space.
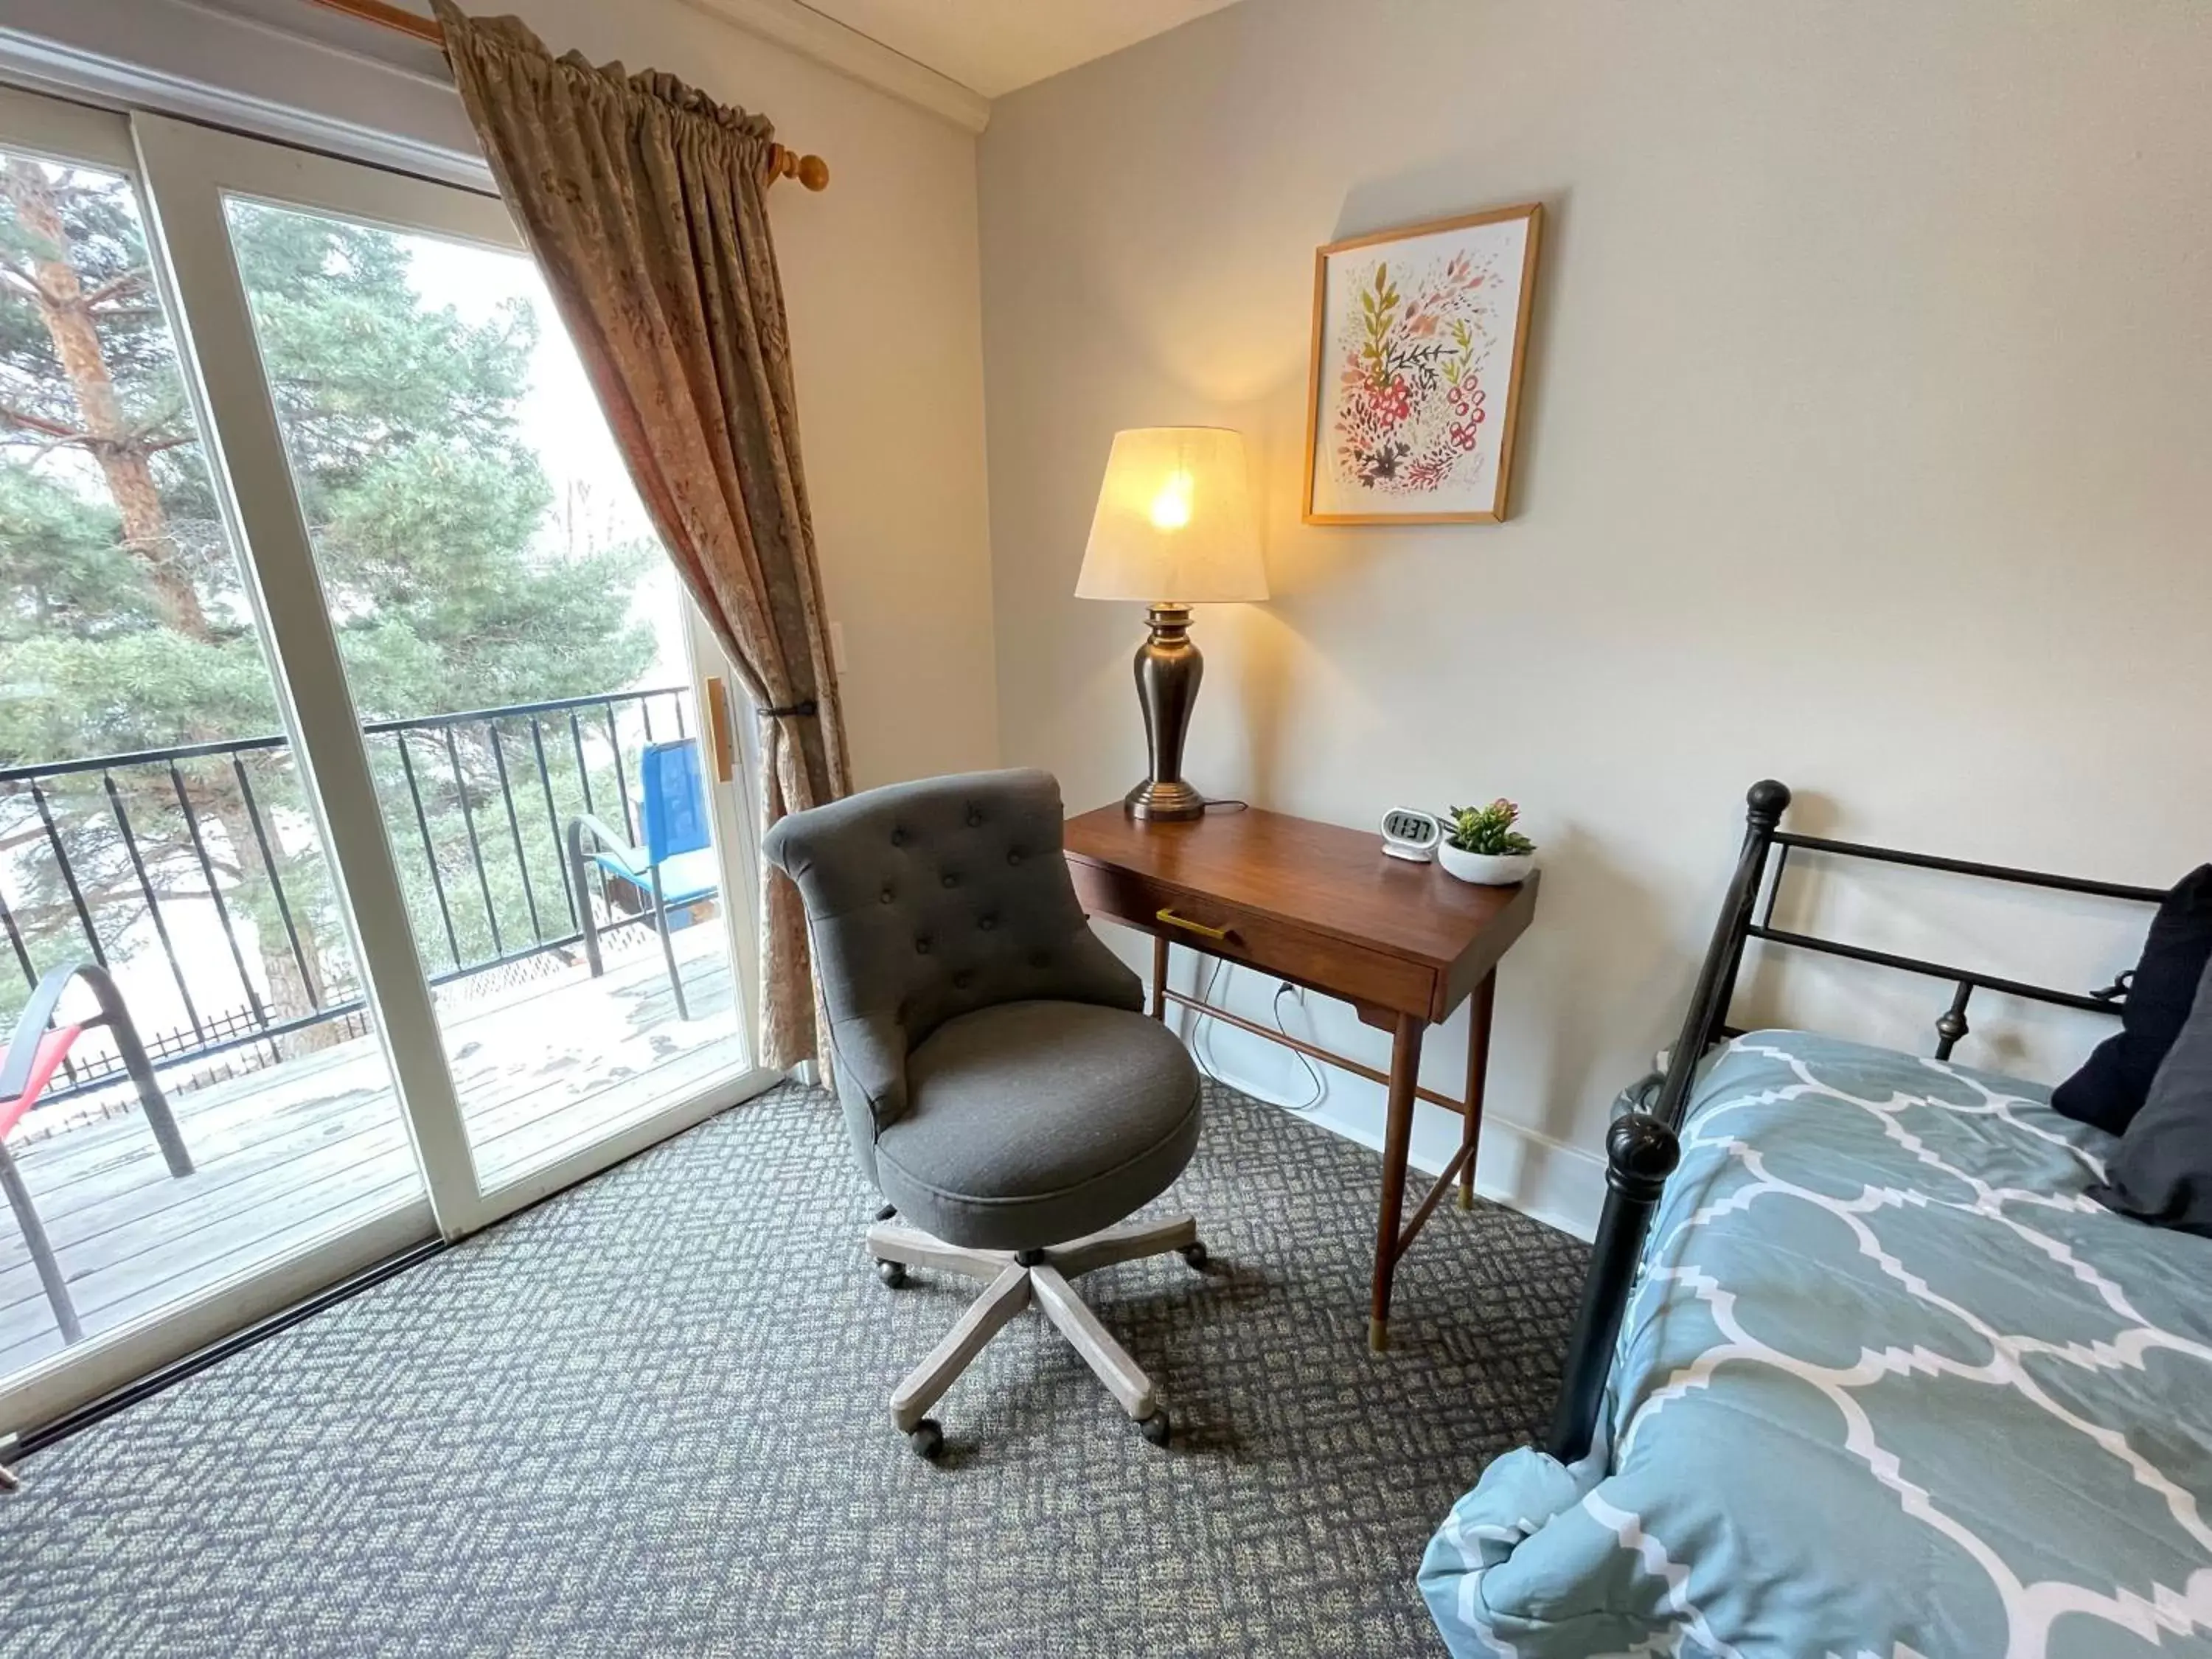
1012, 1283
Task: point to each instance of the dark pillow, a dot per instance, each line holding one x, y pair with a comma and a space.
2162, 1173
2109, 1089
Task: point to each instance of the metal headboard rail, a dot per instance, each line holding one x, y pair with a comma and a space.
1951, 1025
1787, 839
1643, 1147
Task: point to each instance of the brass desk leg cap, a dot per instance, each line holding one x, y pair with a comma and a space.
1378, 1335
1466, 1198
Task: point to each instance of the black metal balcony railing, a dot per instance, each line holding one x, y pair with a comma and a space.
475, 804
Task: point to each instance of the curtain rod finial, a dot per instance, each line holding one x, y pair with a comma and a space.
811, 171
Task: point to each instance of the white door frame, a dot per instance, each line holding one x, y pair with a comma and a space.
730, 802
182, 169
108, 1359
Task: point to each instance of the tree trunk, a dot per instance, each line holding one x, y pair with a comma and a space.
122, 451
124, 454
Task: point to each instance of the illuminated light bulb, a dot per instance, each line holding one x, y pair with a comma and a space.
1171, 507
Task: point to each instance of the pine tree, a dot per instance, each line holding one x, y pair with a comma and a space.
124, 624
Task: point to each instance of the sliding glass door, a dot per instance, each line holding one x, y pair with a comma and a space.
155, 825
513, 639
358, 726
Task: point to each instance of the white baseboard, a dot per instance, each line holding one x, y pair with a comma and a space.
1522, 1168
1558, 1185
1544, 1179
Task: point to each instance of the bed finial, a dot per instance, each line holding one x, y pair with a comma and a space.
1640, 1153
1768, 798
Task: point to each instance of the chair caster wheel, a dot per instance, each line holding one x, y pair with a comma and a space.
893, 1274
1155, 1428
927, 1439
1196, 1256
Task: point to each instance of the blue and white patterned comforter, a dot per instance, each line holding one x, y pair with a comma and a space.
1889, 1384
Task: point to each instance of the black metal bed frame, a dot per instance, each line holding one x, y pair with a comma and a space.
1643, 1146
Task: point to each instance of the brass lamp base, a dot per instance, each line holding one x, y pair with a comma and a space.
1164, 801
1169, 668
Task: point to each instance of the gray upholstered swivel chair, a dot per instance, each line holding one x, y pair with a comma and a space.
1003, 1088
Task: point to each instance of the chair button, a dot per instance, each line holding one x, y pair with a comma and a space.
885, 896
1013, 858
988, 923
952, 880
898, 837
960, 981
1041, 959
975, 818
921, 947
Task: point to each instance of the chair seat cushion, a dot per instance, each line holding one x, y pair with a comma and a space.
684, 878
689, 877
1031, 1123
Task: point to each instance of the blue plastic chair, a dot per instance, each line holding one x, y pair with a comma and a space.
676, 864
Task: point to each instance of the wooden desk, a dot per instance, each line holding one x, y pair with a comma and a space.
1323, 907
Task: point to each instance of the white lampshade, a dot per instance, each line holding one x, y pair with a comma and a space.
1174, 522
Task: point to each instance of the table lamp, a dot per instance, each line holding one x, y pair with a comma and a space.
1174, 529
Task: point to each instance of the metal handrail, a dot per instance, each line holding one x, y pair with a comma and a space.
509, 783
371, 728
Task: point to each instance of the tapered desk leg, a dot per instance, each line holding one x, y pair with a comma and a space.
1478, 1073
1159, 976
1397, 1144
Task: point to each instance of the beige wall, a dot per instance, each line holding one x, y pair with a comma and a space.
1864, 447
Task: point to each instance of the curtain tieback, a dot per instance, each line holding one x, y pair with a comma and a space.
804, 711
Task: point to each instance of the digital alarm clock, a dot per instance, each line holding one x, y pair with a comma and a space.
1410, 835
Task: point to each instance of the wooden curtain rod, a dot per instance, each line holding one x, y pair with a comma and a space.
811, 171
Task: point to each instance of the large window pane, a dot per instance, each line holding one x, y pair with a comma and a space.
152, 819
513, 640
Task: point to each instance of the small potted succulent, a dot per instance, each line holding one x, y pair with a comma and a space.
1481, 846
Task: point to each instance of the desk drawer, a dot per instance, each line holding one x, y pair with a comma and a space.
1319, 961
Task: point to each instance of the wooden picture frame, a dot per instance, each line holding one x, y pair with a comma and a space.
1405, 422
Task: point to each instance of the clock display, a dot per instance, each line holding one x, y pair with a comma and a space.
1411, 834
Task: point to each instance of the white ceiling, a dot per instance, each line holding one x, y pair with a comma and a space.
992, 46
949, 56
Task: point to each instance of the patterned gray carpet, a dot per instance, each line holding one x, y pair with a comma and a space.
648, 1417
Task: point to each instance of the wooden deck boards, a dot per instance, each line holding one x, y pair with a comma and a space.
299, 1151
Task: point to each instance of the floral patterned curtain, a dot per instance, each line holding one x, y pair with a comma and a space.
643, 201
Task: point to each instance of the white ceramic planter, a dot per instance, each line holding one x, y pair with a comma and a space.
1485, 869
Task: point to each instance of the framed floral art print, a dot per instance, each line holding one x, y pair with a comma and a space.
1419, 336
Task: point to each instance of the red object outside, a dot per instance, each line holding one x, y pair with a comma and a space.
53, 1049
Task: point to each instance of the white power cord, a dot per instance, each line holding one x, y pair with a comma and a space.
1215, 965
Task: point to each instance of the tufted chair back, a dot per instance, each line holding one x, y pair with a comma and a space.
929, 900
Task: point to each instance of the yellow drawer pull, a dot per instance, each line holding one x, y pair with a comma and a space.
1174, 920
